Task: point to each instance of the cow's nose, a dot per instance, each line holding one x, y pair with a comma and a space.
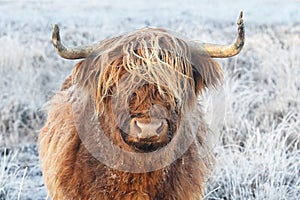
147, 129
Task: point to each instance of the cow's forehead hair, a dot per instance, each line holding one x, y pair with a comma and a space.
152, 56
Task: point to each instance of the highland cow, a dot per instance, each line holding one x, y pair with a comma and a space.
126, 123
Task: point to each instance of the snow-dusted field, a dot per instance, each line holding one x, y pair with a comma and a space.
255, 115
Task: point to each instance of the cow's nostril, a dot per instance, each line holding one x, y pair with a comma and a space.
160, 128
137, 126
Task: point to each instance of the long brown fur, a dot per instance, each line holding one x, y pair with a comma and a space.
136, 70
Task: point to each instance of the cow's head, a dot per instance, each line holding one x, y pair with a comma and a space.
143, 83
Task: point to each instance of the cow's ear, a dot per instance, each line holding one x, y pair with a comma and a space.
69, 81
81, 71
206, 72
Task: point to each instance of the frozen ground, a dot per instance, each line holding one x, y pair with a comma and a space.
257, 136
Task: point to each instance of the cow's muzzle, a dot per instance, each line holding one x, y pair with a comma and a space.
148, 135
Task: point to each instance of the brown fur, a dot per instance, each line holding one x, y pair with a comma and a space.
158, 69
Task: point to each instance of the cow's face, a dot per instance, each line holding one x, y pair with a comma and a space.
145, 86
149, 120
147, 116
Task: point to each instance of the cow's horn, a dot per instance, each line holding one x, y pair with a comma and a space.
223, 51
70, 53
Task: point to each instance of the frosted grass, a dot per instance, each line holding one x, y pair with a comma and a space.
255, 114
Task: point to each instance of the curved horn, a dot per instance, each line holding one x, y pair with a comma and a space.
224, 51
65, 52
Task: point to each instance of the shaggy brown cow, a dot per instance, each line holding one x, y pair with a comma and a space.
126, 124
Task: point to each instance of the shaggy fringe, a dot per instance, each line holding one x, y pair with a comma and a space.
123, 64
